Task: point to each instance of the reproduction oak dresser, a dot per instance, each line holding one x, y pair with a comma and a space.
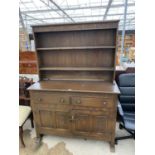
76, 94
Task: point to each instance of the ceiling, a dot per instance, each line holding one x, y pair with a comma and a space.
35, 12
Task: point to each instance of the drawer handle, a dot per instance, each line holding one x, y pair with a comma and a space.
72, 118
62, 100
40, 99
78, 101
104, 103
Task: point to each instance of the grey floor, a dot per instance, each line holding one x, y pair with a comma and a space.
88, 147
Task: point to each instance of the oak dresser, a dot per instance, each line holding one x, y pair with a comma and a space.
76, 94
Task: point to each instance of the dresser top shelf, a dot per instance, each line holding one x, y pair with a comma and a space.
76, 48
80, 26
76, 86
78, 68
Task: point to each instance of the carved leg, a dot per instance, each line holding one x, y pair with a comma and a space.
38, 135
36, 142
38, 139
21, 135
112, 146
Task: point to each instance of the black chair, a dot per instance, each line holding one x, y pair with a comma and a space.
126, 105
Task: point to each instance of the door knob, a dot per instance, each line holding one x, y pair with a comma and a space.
40, 99
104, 103
72, 118
78, 101
62, 100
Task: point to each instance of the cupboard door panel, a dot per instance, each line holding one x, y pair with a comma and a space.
103, 124
54, 119
62, 120
82, 123
46, 118
99, 124
89, 122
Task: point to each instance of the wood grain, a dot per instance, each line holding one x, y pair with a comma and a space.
76, 95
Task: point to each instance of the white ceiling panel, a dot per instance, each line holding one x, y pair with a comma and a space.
44, 11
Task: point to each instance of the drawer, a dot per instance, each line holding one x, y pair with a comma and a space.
99, 102
49, 98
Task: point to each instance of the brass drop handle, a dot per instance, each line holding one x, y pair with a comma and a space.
62, 100
72, 118
40, 99
104, 103
78, 101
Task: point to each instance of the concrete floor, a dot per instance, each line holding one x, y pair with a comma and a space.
74, 146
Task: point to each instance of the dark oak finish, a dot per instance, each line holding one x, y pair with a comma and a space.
76, 95
77, 27
76, 48
76, 86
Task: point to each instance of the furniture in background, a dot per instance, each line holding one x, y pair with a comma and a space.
34, 77
122, 70
24, 113
24, 97
27, 62
76, 95
126, 106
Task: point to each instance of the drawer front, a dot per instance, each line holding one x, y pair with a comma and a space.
100, 102
49, 98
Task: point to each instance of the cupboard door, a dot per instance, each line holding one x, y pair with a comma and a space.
82, 123
91, 122
46, 118
53, 120
62, 120
99, 124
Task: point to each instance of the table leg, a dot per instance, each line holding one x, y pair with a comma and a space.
21, 135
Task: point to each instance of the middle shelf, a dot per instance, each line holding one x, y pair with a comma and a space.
79, 47
76, 68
